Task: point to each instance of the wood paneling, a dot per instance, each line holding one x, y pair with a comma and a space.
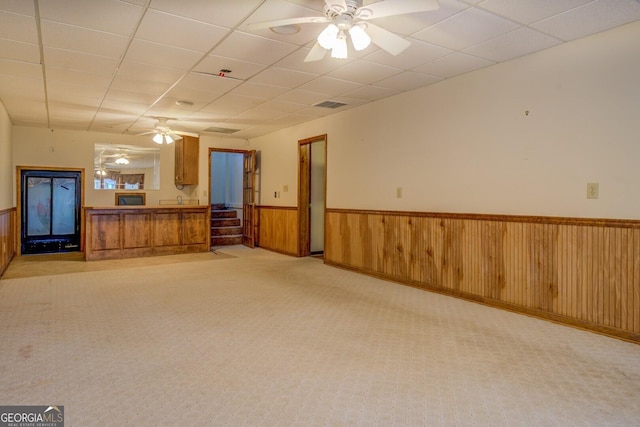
278, 229
166, 229
193, 233
581, 272
135, 231
102, 235
8, 237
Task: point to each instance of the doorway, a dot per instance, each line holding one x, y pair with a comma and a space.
50, 210
232, 197
312, 195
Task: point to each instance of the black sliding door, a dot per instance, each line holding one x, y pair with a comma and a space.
50, 213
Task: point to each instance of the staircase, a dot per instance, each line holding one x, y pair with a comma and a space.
226, 228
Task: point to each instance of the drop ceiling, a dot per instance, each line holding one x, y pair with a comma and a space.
114, 65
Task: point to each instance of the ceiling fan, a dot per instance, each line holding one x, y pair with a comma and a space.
351, 19
164, 134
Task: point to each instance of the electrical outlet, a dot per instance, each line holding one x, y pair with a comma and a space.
285, 188
593, 190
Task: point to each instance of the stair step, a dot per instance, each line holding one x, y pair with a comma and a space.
225, 222
218, 206
225, 231
224, 213
226, 240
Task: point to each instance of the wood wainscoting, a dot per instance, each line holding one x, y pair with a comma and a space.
580, 272
8, 237
137, 231
278, 229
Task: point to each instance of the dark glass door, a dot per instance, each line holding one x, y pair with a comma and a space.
50, 214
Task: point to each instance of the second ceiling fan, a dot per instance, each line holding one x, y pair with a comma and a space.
351, 19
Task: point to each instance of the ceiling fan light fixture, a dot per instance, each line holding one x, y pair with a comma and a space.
339, 50
328, 37
168, 139
122, 161
359, 38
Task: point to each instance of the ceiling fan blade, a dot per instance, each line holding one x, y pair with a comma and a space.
316, 54
395, 7
146, 133
288, 21
388, 41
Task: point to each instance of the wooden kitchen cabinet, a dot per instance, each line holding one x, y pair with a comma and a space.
186, 168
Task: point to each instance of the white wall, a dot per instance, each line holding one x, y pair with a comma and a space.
6, 175
43, 147
466, 144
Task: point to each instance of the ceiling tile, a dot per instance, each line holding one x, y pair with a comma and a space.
18, 6
123, 107
19, 51
284, 107
329, 86
364, 72
206, 83
219, 12
372, 93
410, 23
184, 33
111, 16
232, 104
283, 77
527, 12
63, 92
257, 90
77, 61
16, 88
140, 70
242, 70
453, 65
18, 27
408, 80
83, 40
511, 45
302, 97
134, 96
261, 50
162, 56
417, 54
98, 82
279, 9
590, 18
126, 86
466, 29
21, 69
255, 115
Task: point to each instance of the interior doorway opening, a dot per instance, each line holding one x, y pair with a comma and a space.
231, 189
312, 195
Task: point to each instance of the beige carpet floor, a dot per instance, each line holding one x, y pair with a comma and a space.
73, 262
262, 339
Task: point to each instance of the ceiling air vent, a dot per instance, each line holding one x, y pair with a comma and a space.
330, 104
220, 130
